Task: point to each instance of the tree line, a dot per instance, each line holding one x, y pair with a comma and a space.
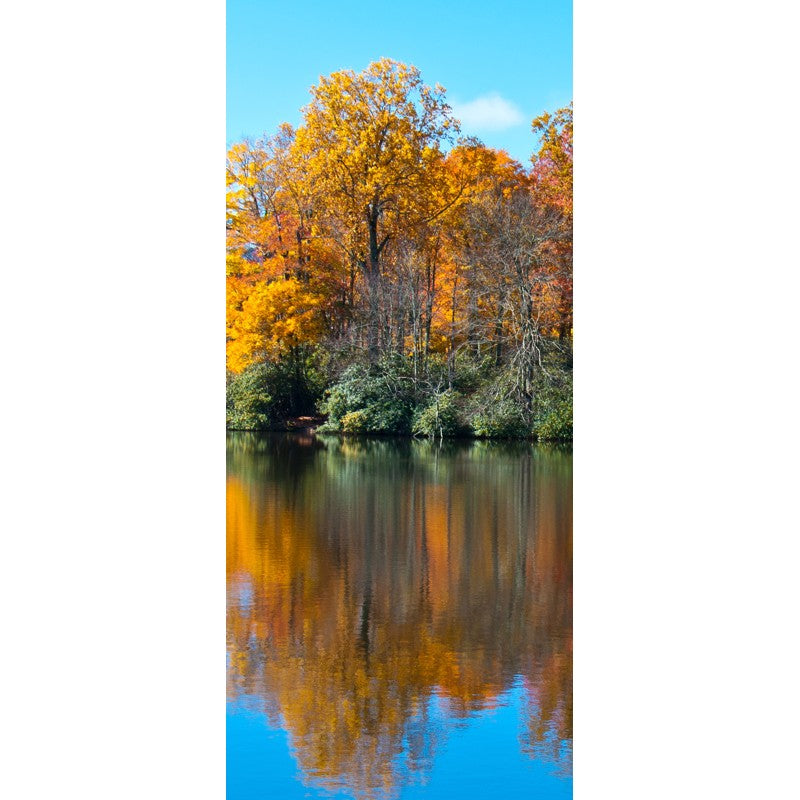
396, 276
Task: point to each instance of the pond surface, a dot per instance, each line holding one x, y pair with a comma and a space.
399, 619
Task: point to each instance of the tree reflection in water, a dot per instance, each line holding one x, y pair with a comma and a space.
379, 591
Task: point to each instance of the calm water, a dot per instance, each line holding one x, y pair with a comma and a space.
399, 619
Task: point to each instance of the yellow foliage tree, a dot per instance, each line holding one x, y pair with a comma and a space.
371, 140
270, 320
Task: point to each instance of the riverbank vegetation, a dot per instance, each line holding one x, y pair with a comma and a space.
396, 277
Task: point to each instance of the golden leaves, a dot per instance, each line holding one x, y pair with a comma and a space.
364, 193
270, 318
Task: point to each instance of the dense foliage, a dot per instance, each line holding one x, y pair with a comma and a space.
396, 277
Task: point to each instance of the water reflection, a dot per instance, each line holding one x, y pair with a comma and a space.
381, 593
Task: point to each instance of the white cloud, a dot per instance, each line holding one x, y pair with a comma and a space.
488, 113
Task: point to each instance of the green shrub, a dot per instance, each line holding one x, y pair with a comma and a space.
247, 400
269, 392
329, 427
355, 422
295, 385
557, 425
504, 419
441, 417
382, 397
470, 375
553, 409
484, 399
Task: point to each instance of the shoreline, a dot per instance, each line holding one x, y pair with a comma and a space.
310, 425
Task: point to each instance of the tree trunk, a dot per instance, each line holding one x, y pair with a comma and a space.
372, 267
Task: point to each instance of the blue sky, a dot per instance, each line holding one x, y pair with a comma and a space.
501, 63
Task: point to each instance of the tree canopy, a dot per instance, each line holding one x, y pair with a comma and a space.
376, 230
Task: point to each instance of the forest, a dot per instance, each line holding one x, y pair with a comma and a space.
387, 275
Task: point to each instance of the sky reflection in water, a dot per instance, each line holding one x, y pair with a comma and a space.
399, 619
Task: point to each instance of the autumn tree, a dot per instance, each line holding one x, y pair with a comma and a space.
552, 180
281, 279
514, 269
372, 140
275, 318
552, 163
252, 214
463, 314
270, 203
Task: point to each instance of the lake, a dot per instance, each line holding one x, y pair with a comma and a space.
399, 618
